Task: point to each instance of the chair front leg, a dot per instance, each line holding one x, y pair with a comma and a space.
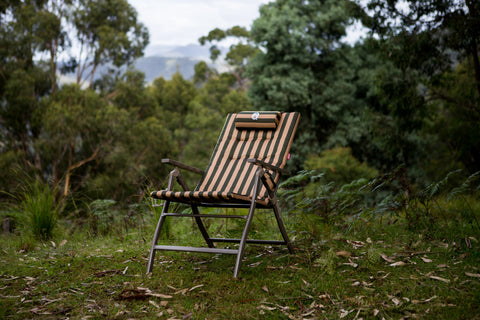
174, 173
246, 229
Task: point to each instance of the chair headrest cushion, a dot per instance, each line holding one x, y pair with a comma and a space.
247, 120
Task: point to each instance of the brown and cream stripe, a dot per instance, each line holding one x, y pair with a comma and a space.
229, 177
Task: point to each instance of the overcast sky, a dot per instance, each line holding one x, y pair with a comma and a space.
181, 22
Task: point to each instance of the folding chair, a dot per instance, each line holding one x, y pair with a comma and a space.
243, 172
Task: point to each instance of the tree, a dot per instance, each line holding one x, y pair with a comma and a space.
207, 111
174, 97
65, 134
238, 55
108, 32
431, 42
302, 67
434, 34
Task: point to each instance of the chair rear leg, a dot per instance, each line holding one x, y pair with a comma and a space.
202, 228
283, 231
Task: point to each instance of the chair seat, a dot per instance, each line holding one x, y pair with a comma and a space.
204, 196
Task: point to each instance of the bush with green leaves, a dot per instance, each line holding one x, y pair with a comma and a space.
104, 216
390, 195
340, 166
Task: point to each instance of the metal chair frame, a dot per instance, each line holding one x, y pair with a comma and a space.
175, 174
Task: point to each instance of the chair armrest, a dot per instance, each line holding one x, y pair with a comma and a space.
182, 166
263, 164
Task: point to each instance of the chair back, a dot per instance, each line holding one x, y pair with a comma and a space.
266, 136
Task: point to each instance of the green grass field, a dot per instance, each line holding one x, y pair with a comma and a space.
375, 270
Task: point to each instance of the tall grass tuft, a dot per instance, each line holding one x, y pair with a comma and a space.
37, 210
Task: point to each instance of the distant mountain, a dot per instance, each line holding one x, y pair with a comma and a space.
188, 51
165, 67
164, 61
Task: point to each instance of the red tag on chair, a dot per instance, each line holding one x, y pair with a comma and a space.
288, 156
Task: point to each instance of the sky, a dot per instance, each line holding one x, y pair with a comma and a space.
182, 22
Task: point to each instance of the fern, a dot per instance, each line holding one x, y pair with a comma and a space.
465, 187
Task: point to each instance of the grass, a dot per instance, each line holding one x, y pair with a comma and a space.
37, 210
376, 270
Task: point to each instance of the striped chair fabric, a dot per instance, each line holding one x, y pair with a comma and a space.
229, 177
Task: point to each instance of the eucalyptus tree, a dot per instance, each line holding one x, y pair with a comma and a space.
238, 55
304, 66
437, 43
62, 132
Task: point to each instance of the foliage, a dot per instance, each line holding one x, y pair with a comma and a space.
389, 195
37, 211
239, 54
104, 216
340, 166
107, 31
433, 41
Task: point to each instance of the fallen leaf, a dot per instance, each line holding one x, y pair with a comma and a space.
182, 291
160, 295
141, 293
53, 244
153, 303
309, 313
266, 308
196, 287
344, 254
64, 241
443, 244
440, 279
253, 265
356, 244
295, 268
344, 313
384, 257
426, 260
397, 264
475, 275
353, 264
396, 301
264, 288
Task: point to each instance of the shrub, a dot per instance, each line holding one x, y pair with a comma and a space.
37, 211
340, 166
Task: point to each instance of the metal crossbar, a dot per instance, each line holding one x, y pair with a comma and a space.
172, 214
255, 241
196, 249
